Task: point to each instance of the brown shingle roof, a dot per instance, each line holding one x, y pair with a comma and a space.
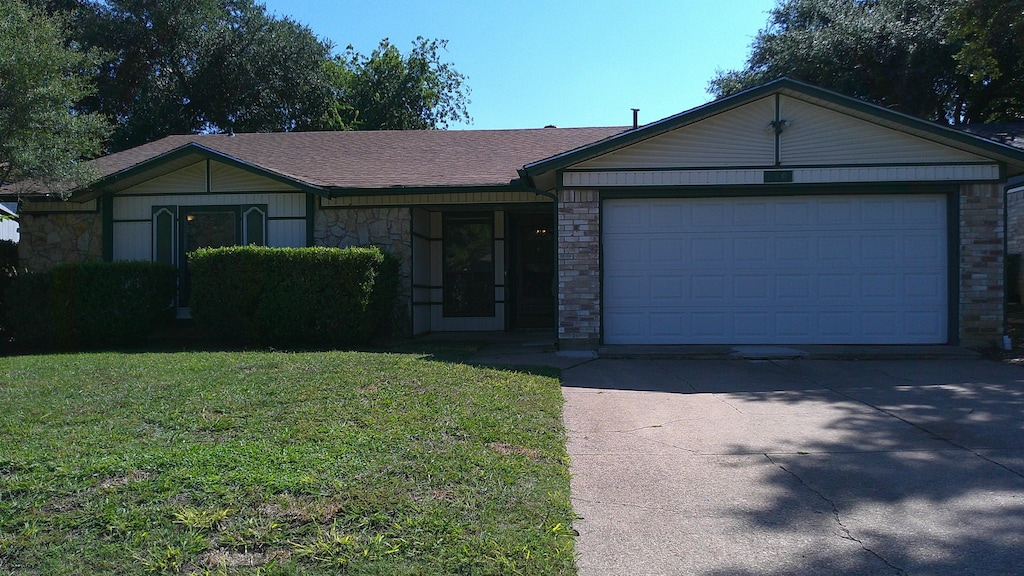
1011, 133
379, 159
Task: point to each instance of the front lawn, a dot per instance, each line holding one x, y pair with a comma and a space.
279, 463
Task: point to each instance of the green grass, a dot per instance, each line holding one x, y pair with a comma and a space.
279, 463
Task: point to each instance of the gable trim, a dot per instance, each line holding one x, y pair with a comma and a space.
786, 86
102, 186
759, 176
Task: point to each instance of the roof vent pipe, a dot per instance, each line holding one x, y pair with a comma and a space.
636, 112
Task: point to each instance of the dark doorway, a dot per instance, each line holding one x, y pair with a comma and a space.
532, 270
204, 227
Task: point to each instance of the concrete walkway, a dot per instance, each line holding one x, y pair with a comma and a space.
741, 467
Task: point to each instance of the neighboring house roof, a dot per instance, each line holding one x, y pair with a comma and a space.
358, 160
1009, 133
854, 107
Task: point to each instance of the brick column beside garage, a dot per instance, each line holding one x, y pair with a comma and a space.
579, 253
981, 264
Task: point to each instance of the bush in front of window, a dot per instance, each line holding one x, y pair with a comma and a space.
90, 304
322, 297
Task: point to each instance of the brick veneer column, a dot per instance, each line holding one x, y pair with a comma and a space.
579, 285
981, 264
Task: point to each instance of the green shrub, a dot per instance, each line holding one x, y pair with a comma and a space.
90, 304
28, 314
285, 296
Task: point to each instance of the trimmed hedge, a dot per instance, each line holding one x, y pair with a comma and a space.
293, 296
90, 304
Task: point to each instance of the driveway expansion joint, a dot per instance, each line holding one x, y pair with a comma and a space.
845, 532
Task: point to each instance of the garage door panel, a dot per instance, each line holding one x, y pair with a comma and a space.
750, 214
707, 215
882, 247
796, 326
794, 249
925, 247
751, 324
793, 213
792, 287
668, 288
836, 249
836, 288
709, 250
666, 324
781, 270
752, 289
668, 250
708, 289
628, 325
925, 288
748, 249
625, 219
710, 325
629, 290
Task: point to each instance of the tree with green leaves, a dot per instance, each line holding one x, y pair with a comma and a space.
391, 91
954, 61
194, 66
42, 138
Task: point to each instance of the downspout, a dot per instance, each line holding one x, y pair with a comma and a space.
529, 186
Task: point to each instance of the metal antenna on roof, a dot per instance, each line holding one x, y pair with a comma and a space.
636, 116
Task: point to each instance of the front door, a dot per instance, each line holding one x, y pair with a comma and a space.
532, 270
204, 227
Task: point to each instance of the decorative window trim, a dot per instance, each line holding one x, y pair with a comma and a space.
172, 241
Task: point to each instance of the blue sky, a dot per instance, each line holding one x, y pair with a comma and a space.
568, 63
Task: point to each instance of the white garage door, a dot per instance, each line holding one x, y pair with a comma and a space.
868, 269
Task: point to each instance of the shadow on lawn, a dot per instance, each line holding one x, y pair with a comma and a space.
915, 467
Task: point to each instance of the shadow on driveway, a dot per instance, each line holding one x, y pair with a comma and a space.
797, 467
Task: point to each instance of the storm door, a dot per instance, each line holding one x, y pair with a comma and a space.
468, 283
532, 259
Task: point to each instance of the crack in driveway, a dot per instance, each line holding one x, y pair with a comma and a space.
846, 534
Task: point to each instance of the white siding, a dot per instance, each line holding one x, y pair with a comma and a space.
133, 241
8, 226
192, 179
289, 205
819, 136
435, 199
286, 233
188, 180
738, 137
133, 230
224, 178
824, 175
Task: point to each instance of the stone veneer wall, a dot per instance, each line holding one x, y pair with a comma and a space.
982, 299
51, 239
389, 229
579, 281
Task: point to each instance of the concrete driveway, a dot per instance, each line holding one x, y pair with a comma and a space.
797, 467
